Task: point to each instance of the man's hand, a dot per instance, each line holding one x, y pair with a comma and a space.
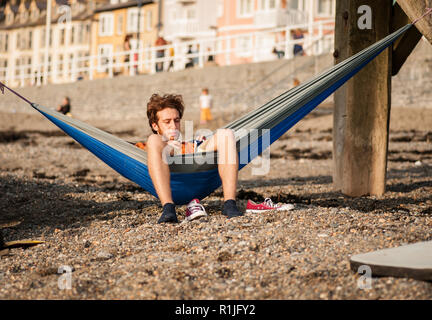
175, 144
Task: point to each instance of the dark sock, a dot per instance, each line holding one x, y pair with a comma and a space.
230, 209
168, 214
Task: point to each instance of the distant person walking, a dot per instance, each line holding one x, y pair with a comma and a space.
298, 47
206, 102
171, 55
65, 107
190, 62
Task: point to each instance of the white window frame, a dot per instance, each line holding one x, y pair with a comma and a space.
267, 5
245, 14
104, 51
328, 12
131, 20
106, 24
244, 42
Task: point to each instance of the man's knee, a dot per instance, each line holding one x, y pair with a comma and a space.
225, 134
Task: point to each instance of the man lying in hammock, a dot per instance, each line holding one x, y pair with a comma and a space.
164, 114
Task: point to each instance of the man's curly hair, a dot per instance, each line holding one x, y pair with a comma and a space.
159, 102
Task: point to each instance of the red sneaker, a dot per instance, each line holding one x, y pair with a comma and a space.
195, 210
267, 205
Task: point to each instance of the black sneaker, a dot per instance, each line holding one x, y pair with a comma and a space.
230, 209
169, 214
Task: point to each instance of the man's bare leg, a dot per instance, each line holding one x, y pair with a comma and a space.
224, 143
160, 175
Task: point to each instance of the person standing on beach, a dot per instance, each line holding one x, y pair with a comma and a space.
206, 102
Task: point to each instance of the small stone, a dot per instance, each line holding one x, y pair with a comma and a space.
103, 255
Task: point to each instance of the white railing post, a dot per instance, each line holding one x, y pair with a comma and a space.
92, 66
153, 60
131, 61
201, 53
22, 70
320, 37
228, 51
54, 70
39, 74
110, 65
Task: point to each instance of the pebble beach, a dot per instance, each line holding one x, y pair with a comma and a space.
102, 227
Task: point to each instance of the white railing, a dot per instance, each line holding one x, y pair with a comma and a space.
146, 60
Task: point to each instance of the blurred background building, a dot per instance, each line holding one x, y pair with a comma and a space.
106, 38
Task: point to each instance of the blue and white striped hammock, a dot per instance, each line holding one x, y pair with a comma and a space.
190, 179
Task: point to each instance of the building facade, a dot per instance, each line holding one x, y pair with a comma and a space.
23, 37
248, 23
116, 29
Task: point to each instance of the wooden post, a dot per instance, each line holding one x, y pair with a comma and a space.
403, 47
362, 105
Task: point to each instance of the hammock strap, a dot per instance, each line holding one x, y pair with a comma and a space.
3, 86
428, 11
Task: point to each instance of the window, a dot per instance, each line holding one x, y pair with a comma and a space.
104, 56
60, 63
9, 18
325, 7
190, 13
87, 33
120, 25
3, 68
28, 69
3, 42
30, 39
80, 33
244, 46
132, 20
17, 67
71, 61
18, 40
106, 24
267, 4
35, 14
24, 16
72, 35
62, 36
245, 8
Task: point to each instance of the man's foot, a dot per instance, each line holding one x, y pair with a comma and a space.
168, 214
230, 209
195, 210
267, 205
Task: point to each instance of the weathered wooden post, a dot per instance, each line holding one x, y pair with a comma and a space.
362, 105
